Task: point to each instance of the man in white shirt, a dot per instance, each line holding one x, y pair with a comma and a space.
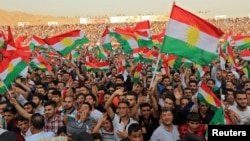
37, 128
241, 108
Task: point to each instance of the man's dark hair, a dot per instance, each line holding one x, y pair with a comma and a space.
56, 92
91, 95
193, 81
134, 127
52, 103
39, 96
132, 93
145, 104
86, 103
97, 136
120, 77
210, 80
37, 120
193, 116
21, 118
33, 105
124, 102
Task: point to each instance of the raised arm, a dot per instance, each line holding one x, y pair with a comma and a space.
109, 102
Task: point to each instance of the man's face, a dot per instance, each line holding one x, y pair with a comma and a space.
85, 108
28, 108
65, 77
23, 125
193, 87
60, 86
168, 103
210, 84
118, 81
241, 100
36, 100
188, 93
193, 125
146, 112
49, 111
136, 136
41, 91
131, 99
68, 102
90, 100
137, 88
167, 118
106, 97
84, 90
123, 109
56, 98
8, 116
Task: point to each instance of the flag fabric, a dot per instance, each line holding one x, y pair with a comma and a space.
37, 42
2, 40
245, 55
246, 71
9, 70
40, 63
101, 53
96, 67
137, 73
65, 43
227, 40
158, 38
201, 71
242, 42
106, 41
127, 40
189, 36
230, 58
207, 96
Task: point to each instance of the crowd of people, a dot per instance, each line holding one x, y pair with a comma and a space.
75, 105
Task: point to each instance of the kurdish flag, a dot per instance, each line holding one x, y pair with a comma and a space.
242, 42
101, 53
137, 73
191, 37
40, 63
106, 41
66, 42
246, 71
9, 70
245, 55
96, 67
206, 95
2, 40
37, 42
128, 40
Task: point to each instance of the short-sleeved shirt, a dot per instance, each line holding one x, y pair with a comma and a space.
244, 115
120, 126
162, 134
40, 135
52, 125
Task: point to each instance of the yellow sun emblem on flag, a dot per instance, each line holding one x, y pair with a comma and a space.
10, 67
1, 83
126, 36
67, 42
246, 40
192, 36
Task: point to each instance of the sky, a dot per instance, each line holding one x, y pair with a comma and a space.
84, 8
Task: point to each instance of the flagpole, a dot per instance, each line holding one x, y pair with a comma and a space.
155, 69
158, 59
6, 88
